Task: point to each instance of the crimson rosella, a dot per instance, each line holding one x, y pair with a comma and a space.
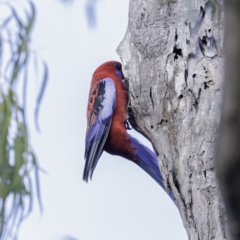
106, 124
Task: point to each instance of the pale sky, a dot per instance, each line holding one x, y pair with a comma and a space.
121, 202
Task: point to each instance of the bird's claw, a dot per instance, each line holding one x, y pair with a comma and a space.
127, 125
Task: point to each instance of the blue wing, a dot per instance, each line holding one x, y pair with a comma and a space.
101, 104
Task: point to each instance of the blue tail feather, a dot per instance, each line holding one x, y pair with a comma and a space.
149, 163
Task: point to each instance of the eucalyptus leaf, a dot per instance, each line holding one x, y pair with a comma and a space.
19, 170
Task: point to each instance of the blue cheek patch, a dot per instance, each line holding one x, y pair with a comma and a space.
119, 74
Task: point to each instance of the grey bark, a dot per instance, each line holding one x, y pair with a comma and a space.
173, 55
228, 154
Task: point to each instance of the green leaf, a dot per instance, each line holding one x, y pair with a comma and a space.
31, 19
18, 163
41, 93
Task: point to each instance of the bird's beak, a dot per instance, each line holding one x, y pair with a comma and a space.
119, 73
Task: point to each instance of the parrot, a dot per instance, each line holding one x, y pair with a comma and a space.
107, 124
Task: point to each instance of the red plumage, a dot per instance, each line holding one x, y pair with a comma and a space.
107, 70
113, 137
106, 124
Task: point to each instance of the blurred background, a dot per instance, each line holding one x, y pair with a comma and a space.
121, 202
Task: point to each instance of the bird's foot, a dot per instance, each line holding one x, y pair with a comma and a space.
127, 125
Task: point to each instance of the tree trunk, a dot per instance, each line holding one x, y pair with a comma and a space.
228, 154
173, 52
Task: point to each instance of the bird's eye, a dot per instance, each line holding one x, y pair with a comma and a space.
118, 66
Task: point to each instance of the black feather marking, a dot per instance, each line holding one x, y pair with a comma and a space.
100, 120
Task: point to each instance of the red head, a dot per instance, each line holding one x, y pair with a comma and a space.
107, 69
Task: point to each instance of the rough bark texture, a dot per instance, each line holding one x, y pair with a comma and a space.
173, 51
228, 154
